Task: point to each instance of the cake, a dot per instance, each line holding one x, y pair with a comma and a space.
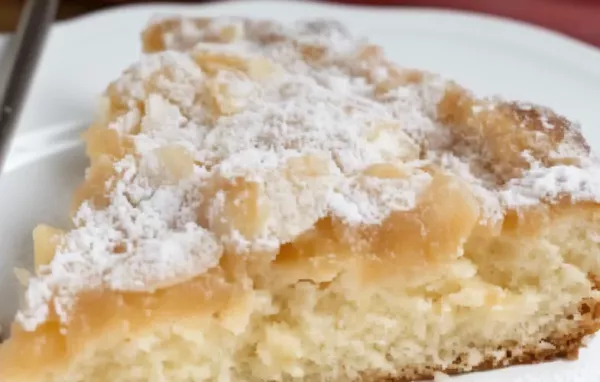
270, 202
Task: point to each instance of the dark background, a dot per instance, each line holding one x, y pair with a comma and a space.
577, 18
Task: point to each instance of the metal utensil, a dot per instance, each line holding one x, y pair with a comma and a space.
35, 21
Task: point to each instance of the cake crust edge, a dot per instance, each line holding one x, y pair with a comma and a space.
566, 346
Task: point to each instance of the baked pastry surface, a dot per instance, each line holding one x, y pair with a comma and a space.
272, 202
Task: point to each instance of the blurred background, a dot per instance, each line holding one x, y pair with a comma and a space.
577, 18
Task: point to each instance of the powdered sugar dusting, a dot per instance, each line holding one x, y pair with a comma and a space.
145, 239
369, 200
482, 188
242, 134
578, 184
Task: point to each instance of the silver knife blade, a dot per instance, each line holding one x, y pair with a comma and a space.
35, 21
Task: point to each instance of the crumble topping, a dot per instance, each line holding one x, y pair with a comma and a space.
243, 134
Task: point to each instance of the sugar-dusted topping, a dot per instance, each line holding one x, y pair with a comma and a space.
164, 124
482, 185
552, 183
265, 198
366, 199
172, 74
237, 136
146, 238
301, 114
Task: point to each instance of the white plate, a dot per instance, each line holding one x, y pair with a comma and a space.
489, 55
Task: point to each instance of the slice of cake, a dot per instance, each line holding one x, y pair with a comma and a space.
282, 203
